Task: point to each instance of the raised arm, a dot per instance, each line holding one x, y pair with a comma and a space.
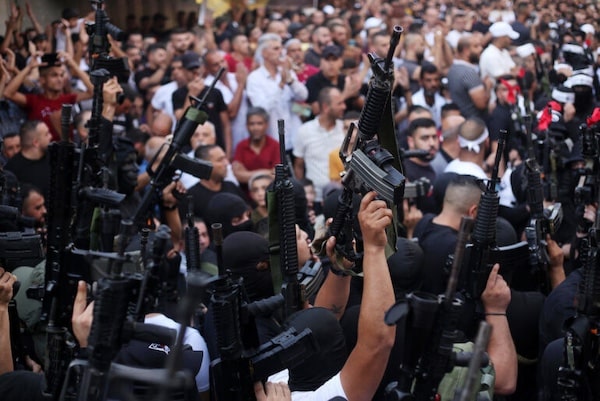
334, 292
76, 71
366, 364
6, 292
11, 92
34, 21
501, 348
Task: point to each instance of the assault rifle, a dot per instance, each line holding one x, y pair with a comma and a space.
432, 330
483, 251
192, 239
542, 222
282, 235
370, 154
578, 374
61, 274
113, 325
99, 45
172, 159
242, 361
587, 191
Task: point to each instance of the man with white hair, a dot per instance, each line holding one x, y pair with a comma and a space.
275, 87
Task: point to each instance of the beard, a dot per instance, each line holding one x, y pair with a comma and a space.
420, 57
474, 58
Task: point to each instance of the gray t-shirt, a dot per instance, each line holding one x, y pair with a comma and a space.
462, 78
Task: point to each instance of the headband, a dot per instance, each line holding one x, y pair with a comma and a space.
473, 145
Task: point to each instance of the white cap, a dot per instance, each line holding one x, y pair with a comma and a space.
525, 50
502, 28
588, 28
328, 9
374, 22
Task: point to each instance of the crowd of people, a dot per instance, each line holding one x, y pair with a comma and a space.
463, 73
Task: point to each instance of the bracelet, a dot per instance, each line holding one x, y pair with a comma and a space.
173, 207
495, 314
338, 272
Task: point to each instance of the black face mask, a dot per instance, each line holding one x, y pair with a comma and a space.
229, 228
257, 283
568, 180
583, 100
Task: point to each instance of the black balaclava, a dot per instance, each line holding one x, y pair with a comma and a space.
222, 208
127, 168
242, 253
331, 356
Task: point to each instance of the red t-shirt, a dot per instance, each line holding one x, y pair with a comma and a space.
308, 71
232, 63
40, 108
267, 158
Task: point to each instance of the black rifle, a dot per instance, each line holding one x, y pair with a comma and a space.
113, 325
432, 330
542, 76
550, 143
171, 157
99, 46
242, 361
95, 184
192, 239
587, 191
282, 235
542, 222
483, 251
20, 249
372, 164
578, 375
61, 277
369, 166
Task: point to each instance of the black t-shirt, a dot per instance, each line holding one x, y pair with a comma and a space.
524, 33
481, 26
558, 307
213, 106
312, 57
315, 83
35, 172
22, 385
437, 242
203, 195
148, 72
501, 119
414, 171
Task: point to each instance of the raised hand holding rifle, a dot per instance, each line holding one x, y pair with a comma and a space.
171, 157
371, 164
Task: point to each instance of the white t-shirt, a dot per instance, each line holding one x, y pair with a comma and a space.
465, 168
313, 144
494, 62
330, 389
192, 338
163, 100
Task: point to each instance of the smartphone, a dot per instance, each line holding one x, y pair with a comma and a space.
51, 59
